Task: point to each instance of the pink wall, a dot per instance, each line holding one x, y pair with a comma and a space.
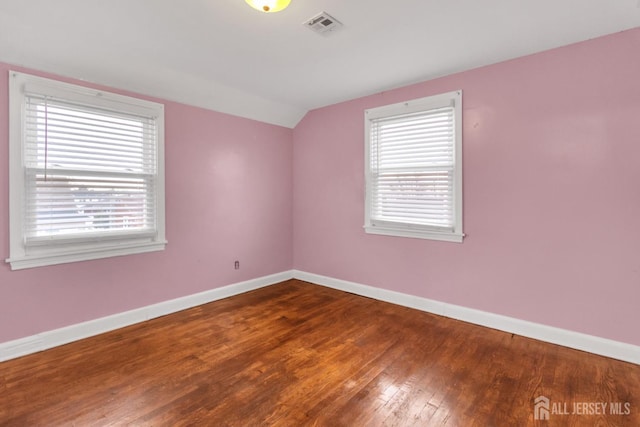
551, 193
228, 197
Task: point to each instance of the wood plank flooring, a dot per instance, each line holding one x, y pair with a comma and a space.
296, 354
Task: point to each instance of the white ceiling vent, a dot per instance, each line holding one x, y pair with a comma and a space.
323, 23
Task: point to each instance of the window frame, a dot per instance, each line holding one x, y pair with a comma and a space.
90, 247
400, 229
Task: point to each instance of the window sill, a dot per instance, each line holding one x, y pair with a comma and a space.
41, 260
416, 234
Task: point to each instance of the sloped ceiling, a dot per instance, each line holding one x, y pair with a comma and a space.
225, 56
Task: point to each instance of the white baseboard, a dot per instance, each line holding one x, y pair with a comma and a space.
602, 346
45, 340
54, 338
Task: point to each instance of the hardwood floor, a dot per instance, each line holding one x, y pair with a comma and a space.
297, 354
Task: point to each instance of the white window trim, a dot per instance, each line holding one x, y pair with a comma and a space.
80, 250
410, 230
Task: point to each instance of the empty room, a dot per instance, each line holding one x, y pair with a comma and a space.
320, 212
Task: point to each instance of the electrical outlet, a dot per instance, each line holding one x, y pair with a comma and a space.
236, 265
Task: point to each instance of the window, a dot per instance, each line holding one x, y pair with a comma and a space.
413, 168
86, 173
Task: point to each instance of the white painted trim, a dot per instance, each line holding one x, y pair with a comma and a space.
602, 346
401, 229
86, 255
576, 340
60, 249
54, 338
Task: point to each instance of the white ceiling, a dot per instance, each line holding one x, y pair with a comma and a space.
225, 56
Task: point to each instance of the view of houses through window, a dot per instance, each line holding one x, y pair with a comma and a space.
88, 171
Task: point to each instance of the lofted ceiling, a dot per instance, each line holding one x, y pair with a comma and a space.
225, 56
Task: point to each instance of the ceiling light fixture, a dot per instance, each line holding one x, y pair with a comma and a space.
269, 6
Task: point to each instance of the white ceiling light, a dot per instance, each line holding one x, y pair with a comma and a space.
269, 6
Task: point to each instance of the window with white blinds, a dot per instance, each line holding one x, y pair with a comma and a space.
87, 175
413, 168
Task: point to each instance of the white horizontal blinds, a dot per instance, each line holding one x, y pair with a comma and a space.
90, 171
412, 169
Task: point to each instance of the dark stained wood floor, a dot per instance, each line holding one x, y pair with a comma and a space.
297, 354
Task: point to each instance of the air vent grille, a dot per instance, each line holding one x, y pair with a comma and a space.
323, 23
